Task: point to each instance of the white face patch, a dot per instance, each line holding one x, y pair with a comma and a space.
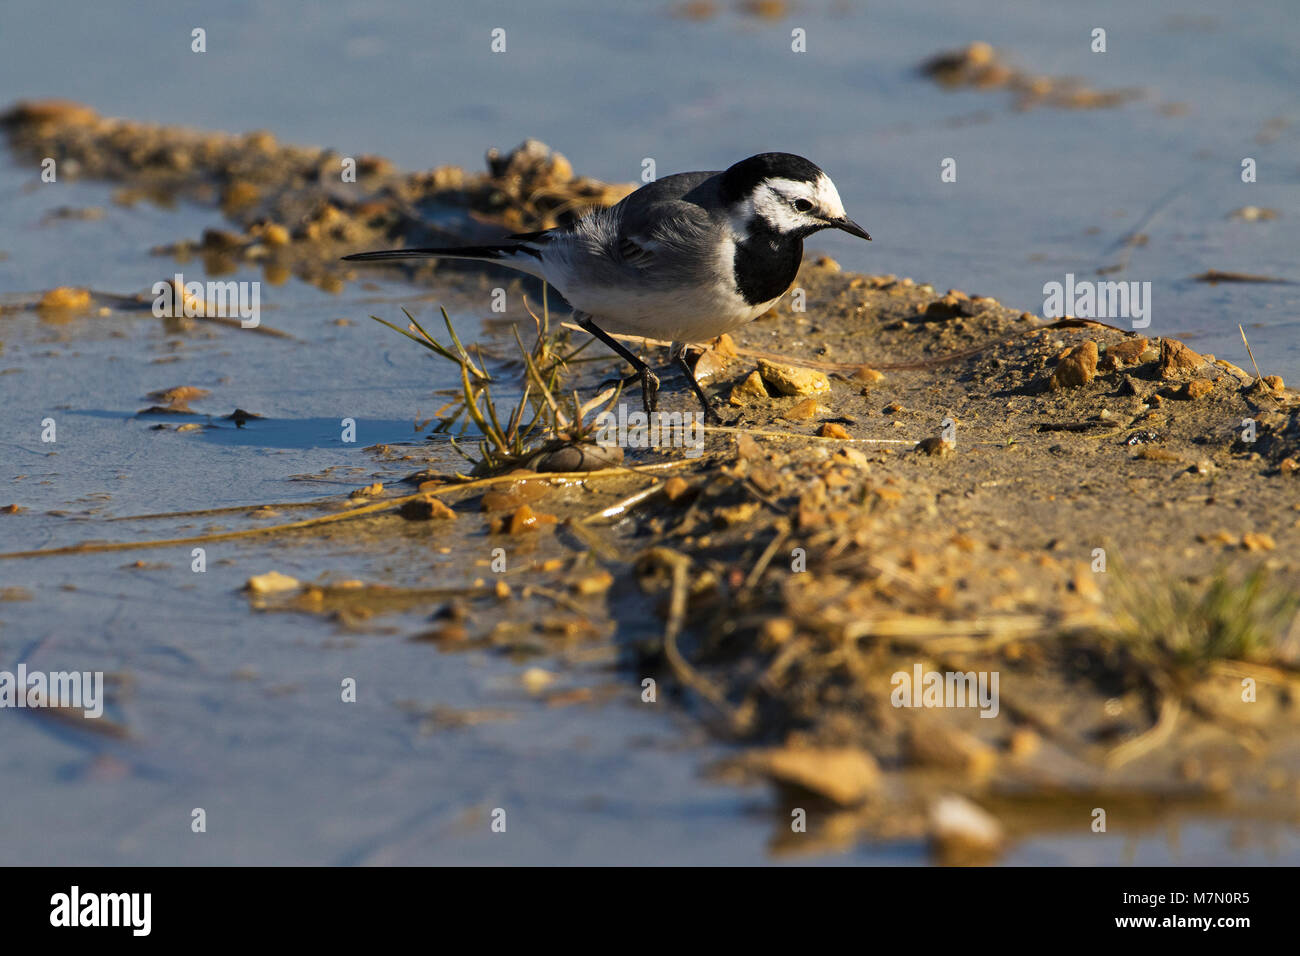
828, 198
774, 201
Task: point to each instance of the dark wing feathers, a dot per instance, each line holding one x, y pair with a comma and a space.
664, 219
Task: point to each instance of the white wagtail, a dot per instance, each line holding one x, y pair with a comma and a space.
685, 258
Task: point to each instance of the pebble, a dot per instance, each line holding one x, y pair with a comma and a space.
271, 582
778, 630
535, 680
934, 446
239, 193
180, 395
791, 380
951, 306
852, 456
1236, 370
710, 363
1254, 214
1024, 743
736, 514
221, 240
834, 430
1077, 367
749, 391
1128, 352
725, 346
934, 743
508, 499
1176, 359
1152, 453
961, 832
675, 487
425, 508
523, 519
275, 234
801, 412
747, 448
592, 584
1258, 541
64, 298
845, 775
584, 457
1190, 391
52, 111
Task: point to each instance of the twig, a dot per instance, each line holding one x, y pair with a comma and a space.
557, 597
386, 505
1248, 351
1150, 739
233, 509
930, 632
1258, 376
619, 507
775, 434
764, 559
684, 672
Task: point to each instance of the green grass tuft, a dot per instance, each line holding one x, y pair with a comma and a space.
1185, 625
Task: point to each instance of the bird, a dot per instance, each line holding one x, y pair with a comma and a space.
684, 258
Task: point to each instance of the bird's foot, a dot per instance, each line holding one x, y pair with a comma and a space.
649, 391
648, 381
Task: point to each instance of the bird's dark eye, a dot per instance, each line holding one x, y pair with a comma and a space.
803, 205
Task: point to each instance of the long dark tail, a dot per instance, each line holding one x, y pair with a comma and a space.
523, 252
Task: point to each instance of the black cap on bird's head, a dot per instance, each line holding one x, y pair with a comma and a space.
792, 194
741, 178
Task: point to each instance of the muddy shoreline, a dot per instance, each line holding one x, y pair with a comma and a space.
777, 584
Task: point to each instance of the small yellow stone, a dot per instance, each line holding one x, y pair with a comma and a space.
271, 582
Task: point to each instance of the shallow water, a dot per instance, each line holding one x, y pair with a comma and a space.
238, 712
1039, 194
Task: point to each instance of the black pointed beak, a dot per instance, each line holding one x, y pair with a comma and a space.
849, 226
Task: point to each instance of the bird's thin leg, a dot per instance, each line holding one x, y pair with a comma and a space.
709, 413
649, 381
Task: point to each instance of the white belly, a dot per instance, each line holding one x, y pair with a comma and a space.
689, 317
637, 301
